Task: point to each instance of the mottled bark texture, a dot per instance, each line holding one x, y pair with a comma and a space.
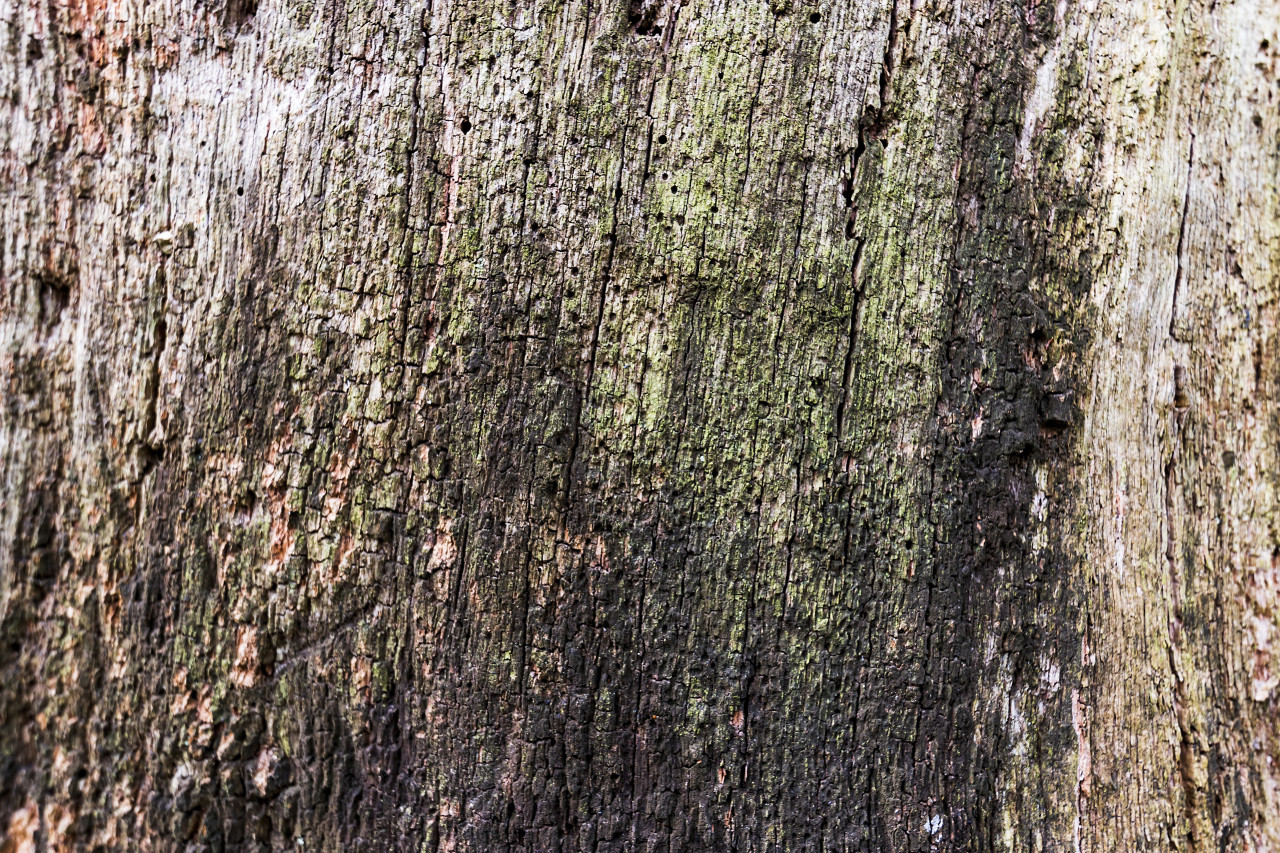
663, 425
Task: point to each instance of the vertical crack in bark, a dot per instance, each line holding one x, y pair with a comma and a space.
149, 441
154, 371
1182, 233
1084, 757
855, 309
1186, 757
869, 125
411, 148
889, 59
592, 351
755, 102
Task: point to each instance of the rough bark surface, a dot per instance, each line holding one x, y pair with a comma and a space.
654, 425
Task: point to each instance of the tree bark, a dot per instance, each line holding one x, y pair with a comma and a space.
655, 425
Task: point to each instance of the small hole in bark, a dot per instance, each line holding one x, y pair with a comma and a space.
815, 17
466, 126
618, 192
1181, 400
1264, 44
240, 11
239, 190
590, 190
1257, 120
666, 175
674, 188
55, 295
662, 139
573, 270
715, 209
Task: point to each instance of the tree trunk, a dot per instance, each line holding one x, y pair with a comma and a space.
668, 426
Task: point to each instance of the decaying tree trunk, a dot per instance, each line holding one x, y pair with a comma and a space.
686, 425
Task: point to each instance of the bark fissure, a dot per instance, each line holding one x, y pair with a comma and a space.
1182, 234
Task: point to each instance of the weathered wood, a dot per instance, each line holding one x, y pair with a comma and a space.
653, 425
